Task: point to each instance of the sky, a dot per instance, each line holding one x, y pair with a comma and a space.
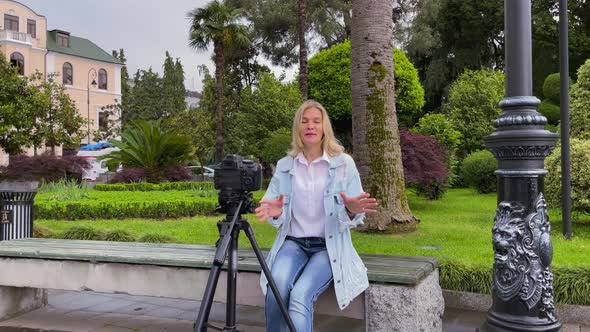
145, 29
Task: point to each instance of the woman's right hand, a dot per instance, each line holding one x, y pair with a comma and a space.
270, 208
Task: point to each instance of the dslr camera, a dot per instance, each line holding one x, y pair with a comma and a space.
236, 178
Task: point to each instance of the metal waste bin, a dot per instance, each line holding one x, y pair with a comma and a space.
16, 209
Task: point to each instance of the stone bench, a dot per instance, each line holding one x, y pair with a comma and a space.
404, 292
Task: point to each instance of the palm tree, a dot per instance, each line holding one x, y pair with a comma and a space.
217, 23
376, 140
151, 145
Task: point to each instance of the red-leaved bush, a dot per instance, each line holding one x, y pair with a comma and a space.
425, 166
45, 167
166, 174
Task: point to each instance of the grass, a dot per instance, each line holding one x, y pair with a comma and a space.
458, 228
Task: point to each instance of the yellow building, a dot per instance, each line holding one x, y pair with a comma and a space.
91, 76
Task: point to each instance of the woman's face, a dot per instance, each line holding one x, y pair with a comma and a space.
311, 130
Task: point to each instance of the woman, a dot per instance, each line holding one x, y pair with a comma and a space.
314, 198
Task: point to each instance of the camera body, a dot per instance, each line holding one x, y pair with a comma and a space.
235, 178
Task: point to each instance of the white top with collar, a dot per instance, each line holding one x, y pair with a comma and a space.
310, 182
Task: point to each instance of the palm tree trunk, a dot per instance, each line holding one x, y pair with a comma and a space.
302, 49
219, 91
376, 140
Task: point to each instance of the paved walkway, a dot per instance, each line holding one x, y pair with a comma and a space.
98, 312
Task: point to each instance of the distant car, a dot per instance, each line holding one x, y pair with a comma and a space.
97, 167
198, 171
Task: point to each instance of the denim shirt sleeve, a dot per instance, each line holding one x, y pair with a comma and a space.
273, 192
353, 188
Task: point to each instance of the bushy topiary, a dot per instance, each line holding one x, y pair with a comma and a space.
580, 176
580, 104
552, 88
424, 164
551, 111
442, 129
478, 171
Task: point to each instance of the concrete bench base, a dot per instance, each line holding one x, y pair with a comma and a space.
405, 308
18, 300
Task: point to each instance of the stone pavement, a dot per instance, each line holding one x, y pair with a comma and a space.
69, 311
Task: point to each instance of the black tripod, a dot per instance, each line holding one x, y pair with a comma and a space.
228, 240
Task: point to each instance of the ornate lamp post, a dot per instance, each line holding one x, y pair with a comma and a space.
93, 72
522, 287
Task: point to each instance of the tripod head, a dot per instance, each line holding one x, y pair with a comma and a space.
229, 202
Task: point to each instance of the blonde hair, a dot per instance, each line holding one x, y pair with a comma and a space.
330, 143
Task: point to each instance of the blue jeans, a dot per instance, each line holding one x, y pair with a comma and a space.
301, 272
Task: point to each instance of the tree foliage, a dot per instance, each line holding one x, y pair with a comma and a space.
446, 37
173, 89
329, 84
472, 106
580, 103
437, 126
217, 23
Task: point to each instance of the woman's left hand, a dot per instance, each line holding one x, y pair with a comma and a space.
363, 203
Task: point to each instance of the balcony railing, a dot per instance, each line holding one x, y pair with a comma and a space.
15, 36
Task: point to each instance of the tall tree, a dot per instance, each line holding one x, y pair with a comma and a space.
147, 98
376, 138
217, 24
302, 30
57, 117
173, 86
15, 114
125, 88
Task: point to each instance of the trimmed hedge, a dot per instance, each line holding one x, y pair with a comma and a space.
164, 186
571, 284
121, 210
478, 171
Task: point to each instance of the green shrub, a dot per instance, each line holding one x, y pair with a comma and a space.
551, 111
552, 88
82, 233
571, 284
442, 129
472, 106
478, 171
156, 238
164, 186
580, 176
42, 232
580, 104
119, 235
121, 210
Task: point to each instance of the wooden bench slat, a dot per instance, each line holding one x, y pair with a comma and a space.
381, 268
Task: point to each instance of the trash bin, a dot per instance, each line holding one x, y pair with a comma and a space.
16, 209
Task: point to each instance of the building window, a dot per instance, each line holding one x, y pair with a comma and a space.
103, 121
63, 40
102, 79
18, 60
10, 22
68, 74
32, 28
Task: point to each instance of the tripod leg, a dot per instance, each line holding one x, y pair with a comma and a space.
200, 325
232, 276
250, 234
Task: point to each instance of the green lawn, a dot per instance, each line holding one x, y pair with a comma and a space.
458, 228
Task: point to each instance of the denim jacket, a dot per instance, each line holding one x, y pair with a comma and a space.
349, 271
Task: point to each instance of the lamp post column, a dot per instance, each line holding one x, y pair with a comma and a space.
522, 286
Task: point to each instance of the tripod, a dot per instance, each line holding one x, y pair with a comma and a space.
229, 231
